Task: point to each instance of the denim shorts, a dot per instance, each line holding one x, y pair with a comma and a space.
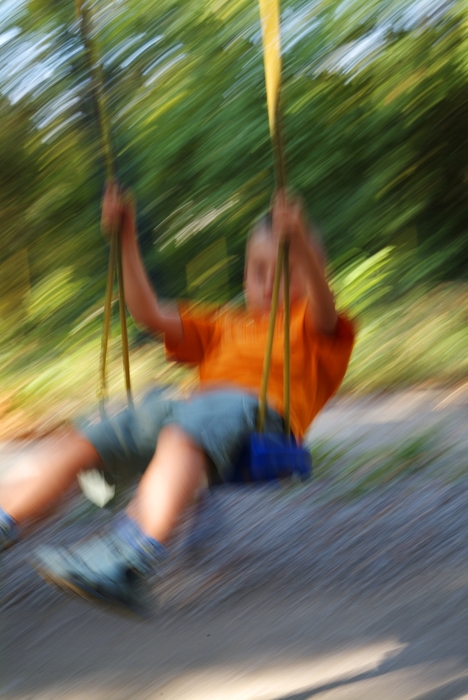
219, 422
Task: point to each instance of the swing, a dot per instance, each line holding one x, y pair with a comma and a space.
266, 456
271, 456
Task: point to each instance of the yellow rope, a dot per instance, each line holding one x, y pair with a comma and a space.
282, 264
270, 339
287, 344
123, 323
115, 253
106, 323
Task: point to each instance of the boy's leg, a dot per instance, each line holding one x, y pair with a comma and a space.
112, 567
125, 443
169, 483
44, 475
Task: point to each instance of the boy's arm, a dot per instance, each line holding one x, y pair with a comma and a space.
288, 224
140, 297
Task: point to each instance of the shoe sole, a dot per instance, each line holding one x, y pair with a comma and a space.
68, 586
8, 545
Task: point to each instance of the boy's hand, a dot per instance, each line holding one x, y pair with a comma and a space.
118, 216
306, 257
289, 224
117, 209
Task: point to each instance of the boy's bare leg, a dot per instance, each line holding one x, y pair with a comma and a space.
113, 566
45, 475
169, 483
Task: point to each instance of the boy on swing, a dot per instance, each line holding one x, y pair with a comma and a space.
173, 442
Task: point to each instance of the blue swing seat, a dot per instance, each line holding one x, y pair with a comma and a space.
269, 457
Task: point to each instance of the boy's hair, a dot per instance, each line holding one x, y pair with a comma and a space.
264, 224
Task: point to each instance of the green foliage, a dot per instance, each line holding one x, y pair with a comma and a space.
376, 137
365, 282
50, 298
375, 113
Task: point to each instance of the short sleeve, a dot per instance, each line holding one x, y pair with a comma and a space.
198, 327
333, 355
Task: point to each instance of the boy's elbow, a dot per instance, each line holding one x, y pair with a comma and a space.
145, 321
322, 320
328, 324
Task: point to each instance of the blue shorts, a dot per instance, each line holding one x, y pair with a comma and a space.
219, 422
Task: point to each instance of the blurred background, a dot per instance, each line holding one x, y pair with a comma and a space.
375, 101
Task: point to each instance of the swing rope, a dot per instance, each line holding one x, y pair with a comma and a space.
115, 251
270, 19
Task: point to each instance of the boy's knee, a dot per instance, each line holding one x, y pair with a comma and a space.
174, 434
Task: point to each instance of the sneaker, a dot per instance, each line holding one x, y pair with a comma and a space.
102, 569
8, 532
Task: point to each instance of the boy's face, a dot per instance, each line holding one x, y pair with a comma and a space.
259, 274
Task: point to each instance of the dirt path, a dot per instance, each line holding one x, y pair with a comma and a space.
295, 595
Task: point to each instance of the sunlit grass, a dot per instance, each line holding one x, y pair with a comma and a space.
50, 391
420, 339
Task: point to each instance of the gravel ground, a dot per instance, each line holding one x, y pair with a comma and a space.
285, 575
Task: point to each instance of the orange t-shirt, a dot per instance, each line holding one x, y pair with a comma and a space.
228, 347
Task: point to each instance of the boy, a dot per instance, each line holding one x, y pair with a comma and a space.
173, 442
